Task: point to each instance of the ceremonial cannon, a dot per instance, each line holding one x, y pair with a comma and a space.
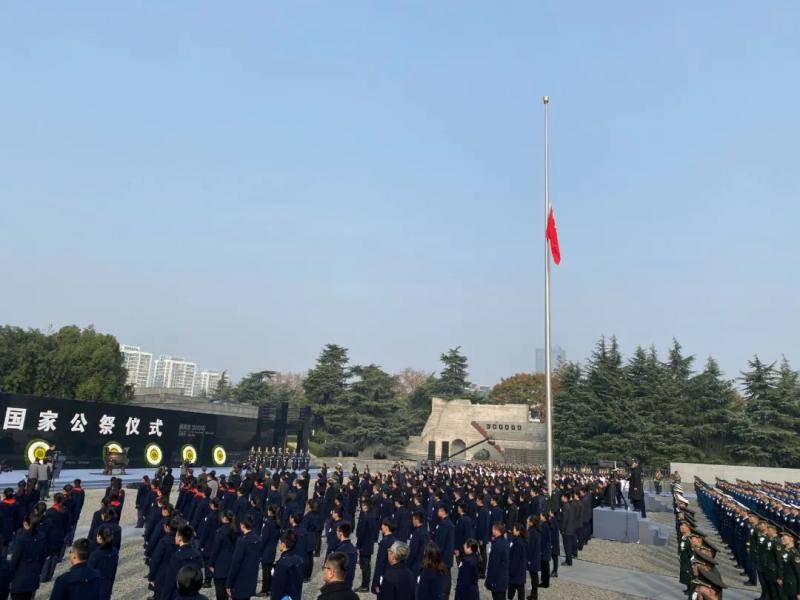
116, 460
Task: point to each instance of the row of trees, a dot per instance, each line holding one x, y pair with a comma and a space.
69, 363
662, 411
657, 410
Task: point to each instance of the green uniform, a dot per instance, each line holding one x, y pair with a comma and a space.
789, 573
685, 558
770, 561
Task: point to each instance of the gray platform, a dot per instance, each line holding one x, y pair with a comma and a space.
622, 525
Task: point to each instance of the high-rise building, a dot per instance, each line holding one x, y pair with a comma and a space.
171, 372
207, 382
557, 357
138, 364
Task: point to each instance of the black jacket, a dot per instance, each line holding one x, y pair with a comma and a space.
398, 583
336, 590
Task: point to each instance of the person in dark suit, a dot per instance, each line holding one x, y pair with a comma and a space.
144, 496
161, 557
167, 482
222, 553
345, 546
483, 532
555, 541
189, 581
418, 542
243, 574
186, 554
270, 533
465, 528
445, 539
497, 569
366, 532
333, 575
431, 578
534, 555
104, 559
569, 528
57, 520
517, 562
81, 582
398, 581
287, 580
468, 572
27, 558
636, 488
205, 538
382, 559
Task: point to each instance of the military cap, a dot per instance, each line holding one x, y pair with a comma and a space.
702, 555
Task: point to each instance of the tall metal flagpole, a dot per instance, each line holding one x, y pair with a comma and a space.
547, 374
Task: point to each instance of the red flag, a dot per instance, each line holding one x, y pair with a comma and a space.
551, 234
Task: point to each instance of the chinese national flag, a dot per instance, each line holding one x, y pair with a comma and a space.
551, 234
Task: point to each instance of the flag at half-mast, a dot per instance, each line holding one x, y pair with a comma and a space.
551, 234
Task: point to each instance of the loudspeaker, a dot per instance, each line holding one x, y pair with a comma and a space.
445, 450
431, 450
279, 438
304, 431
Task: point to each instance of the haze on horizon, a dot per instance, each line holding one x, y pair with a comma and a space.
241, 186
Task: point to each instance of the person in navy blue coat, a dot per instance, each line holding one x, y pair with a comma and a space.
398, 581
465, 528
555, 541
546, 550
243, 574
186, 554
161, 557
402, 519
534, 555
468, 572
287, 578
58, 523
222, 553
205, 538
431, 579
445, 539
270, 532
27, 558
417, 543
310, 524
345, 546
81, 582
144, 497
517, 562
483, 531
382, 558
5, 574
104, 559
366, 532
497, 569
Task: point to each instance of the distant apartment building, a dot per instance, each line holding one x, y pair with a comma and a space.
138, 364
557, 356
207, 382
171, 372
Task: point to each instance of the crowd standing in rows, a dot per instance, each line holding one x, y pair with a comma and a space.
259, 530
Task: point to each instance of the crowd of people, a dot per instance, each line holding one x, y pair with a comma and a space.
261, 531
759, 523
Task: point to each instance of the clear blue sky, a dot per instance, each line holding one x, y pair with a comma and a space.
242, 183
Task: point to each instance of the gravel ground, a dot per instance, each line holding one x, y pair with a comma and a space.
131, 584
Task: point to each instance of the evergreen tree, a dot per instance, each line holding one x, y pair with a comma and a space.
452, 381
326, 384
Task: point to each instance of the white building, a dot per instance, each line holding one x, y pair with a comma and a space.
173, 372
207, 382
138, 364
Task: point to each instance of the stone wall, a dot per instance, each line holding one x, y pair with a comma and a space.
708, 473
452, 421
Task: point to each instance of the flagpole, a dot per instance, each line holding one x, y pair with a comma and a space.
547, 367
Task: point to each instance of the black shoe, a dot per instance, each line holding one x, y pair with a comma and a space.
554, 575
566, 564
362, 589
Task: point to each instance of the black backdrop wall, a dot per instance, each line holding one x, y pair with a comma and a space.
82, 429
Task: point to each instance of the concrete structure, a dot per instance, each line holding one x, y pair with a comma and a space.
174, 398
170, 372
708, 473
456, 424
138, 364
206, 382
557, 356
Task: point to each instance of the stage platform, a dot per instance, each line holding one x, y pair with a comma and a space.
622, 525
91, 478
